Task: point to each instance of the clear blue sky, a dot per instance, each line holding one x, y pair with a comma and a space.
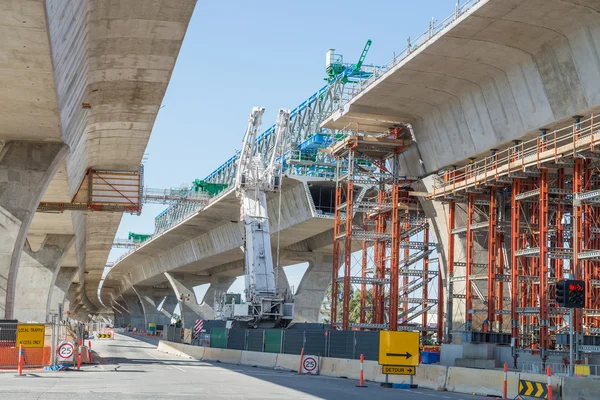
240, 54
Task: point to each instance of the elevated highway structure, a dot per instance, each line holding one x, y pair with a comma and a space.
485, 81
82, 84
498, 82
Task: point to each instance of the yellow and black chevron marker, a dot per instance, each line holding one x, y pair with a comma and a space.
536, 390
104, 336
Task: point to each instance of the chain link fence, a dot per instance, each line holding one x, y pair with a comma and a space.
324, 343
33, 357
36, 353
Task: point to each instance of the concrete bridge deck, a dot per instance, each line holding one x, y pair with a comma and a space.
207, 248
56, 56
499, 72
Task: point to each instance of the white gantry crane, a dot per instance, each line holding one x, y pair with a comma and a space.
255, 176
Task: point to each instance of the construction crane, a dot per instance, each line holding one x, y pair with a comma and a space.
265, 307
337, 69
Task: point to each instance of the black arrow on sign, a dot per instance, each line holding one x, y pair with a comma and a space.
407, 355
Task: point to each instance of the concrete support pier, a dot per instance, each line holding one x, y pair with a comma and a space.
312, 288
26, 169
37, 275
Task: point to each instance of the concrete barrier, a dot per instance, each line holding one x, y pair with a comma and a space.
339, 367
256, 359
287, 362
431, 377
224, 355
579, 388
556, 381
181, 350
481, 381
436, 377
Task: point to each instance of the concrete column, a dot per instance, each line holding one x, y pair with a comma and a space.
58, 292
312, 289
135, 310
192, 309
38, 271
26, 169
183, 289
218, 286
150, 299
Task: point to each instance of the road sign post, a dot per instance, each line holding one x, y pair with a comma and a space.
65, 351
399, 355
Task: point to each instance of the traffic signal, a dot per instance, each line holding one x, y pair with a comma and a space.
570, 293
561, 293
575, 294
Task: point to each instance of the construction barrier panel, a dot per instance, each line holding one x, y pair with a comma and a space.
256, 359
273, 341
34, 358
218, 338
578, 388
287, 362
488, 382
224, 355
436, 377
556, 382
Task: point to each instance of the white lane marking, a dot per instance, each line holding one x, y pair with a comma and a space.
164, 362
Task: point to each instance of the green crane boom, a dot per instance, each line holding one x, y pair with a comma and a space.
363, 55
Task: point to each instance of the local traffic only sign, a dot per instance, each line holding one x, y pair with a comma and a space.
30, 336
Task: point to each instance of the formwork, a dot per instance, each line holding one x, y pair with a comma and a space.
530, 218
380, 227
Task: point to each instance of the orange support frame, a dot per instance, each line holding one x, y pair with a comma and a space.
470, 253
514, 272
492, 254
450, 261
543, 263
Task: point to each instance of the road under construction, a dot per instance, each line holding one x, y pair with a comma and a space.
452, 188
467, 165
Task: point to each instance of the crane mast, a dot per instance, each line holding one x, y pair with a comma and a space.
265, 306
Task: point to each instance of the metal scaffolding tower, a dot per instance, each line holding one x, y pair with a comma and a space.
383, 227
531, 213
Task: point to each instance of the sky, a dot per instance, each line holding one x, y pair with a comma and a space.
239, 54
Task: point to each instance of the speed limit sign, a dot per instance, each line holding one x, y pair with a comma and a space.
310, 365
65, 351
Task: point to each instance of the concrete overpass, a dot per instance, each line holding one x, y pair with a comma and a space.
495, 72
82, 84
206, 248
500, 72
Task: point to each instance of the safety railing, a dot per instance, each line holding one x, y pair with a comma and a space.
435, 27
549, 146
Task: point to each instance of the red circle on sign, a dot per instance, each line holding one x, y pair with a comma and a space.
310, 364
65, 350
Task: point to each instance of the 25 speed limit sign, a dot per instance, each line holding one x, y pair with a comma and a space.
309, 365
65, 351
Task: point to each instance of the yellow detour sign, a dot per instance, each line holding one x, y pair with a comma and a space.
30, 336
537, 390
399, 348
397, 370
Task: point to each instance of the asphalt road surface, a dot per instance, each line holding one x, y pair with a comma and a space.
129, 368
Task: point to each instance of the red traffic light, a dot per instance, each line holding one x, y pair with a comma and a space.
571, 287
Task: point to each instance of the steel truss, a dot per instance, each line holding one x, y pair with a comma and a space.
539, 202
395, 269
